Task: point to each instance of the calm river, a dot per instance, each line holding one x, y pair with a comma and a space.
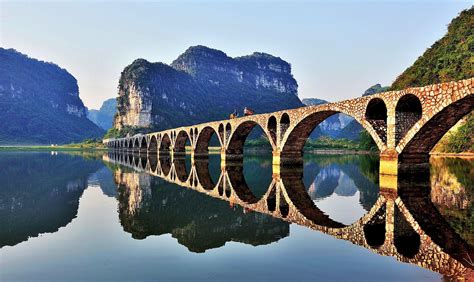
91, 216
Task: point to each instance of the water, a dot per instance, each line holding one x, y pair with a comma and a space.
66, 216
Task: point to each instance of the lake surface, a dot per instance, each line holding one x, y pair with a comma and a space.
89, 216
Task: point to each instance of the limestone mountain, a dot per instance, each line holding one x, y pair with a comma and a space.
201, 85
105, 115
40, 103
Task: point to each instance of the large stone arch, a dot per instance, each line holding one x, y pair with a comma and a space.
153, 144
143, 144
238, 136
136, 144
425, 134
165, 144
180, 141
204, 138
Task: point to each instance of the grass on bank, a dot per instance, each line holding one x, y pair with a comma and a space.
88, 144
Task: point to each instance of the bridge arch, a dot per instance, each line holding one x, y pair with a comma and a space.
143, 144
136, 144
153, 144
376, 114
407, 112
238, 136
204, 139
426, 133
165, 143
180, 141
272, 128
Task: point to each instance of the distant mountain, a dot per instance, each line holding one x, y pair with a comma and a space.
313, 101
377, 88
201, 85
104, 117
40, 103
340, 125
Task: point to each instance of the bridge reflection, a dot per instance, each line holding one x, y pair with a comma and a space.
404, 224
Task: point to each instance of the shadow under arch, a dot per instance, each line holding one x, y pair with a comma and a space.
376, 115
433, 130
407, 112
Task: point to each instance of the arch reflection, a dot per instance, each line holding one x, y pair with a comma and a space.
407, 225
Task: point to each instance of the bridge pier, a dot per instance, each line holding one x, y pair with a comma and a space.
287, 159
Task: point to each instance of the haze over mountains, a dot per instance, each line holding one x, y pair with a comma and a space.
40, 103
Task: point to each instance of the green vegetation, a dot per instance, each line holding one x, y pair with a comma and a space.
322, 143
127, 130
450, 58
41, 104
88, 144
459, 139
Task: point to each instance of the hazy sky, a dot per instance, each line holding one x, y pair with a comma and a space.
337, 49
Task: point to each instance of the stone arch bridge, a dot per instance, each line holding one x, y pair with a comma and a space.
405, 225
404, 124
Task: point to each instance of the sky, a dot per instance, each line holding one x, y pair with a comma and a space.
337, 49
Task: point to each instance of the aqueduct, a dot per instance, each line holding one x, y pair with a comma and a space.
405, 126
404, 224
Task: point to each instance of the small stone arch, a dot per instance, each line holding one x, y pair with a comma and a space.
376, 115
136, 144
153, 144
407, 112
284, 124
221, 132
143, 145
272, 128
165, 143
180, 141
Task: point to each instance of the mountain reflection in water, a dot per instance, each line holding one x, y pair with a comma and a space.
428, 223
404, 224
